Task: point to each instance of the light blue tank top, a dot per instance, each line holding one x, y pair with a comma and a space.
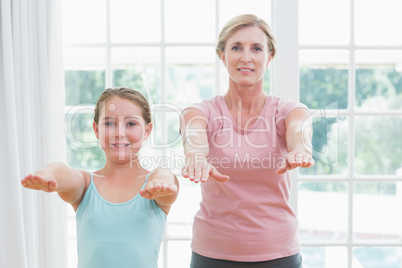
118, 235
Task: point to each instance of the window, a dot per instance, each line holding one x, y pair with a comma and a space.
350, 75
168, 55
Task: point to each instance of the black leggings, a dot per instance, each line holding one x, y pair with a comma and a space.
198, 261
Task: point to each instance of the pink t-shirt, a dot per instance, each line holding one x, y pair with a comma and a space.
247, 218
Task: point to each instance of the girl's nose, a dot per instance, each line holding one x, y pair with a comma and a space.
120, 130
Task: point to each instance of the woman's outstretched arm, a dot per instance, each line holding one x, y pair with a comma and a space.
193, 128
299, 133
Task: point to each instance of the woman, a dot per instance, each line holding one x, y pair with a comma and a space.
253, 139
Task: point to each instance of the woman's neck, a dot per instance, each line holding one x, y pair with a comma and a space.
245, 98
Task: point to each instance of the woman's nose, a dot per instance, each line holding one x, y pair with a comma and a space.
245, 57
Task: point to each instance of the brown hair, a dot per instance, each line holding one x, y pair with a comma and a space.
240, 22
125, 93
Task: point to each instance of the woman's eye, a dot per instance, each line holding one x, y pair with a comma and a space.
131, 124
108, 124
235, 48
257, 49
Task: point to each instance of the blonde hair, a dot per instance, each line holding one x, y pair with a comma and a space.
240, 22
125, 93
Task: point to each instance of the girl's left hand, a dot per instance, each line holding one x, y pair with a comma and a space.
296, 159
154, 189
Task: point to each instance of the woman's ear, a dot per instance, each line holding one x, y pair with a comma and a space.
223, 58
269, 60
96, 130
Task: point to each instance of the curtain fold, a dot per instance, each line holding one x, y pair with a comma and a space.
32, 223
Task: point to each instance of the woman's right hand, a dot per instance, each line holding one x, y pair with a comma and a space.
197, 169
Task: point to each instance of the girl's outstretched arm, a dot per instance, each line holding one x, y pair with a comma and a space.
69, 183
163, 187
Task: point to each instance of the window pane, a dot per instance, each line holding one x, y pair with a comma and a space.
261, 8
375, 257
135, 21
378, 23
83, 151
324, 78
190, 74
320, 257
330, 150
84, 58
378, 144
324, 22
184, 26
166, 136
371, 220
323, 211
138, 68
84, 75
379, 79
83, 86
84, 21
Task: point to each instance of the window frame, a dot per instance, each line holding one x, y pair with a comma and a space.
285, 83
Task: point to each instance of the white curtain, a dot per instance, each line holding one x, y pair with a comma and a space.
32, 223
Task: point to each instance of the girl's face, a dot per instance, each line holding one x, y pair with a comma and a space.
121, 129
247, 56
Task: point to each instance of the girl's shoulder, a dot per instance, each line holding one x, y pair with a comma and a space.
87, 177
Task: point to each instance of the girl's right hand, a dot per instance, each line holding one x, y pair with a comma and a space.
44, 182
197, 169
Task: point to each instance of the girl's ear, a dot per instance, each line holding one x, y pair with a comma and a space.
148, 130
96, 130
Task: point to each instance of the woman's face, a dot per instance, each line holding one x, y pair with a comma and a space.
246, 56
121, 129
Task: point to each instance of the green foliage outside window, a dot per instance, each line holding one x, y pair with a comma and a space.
378, 147
83, 87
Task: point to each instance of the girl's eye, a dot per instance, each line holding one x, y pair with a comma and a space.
131, 124
108, 124
236, 48
257, 49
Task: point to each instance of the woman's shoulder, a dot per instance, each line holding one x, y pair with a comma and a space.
208, 103
283, 104
209, 107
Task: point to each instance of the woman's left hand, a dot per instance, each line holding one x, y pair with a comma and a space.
296, 159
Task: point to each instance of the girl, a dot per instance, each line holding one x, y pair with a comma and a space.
120, 209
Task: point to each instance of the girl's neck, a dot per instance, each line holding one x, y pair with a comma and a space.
132, 168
